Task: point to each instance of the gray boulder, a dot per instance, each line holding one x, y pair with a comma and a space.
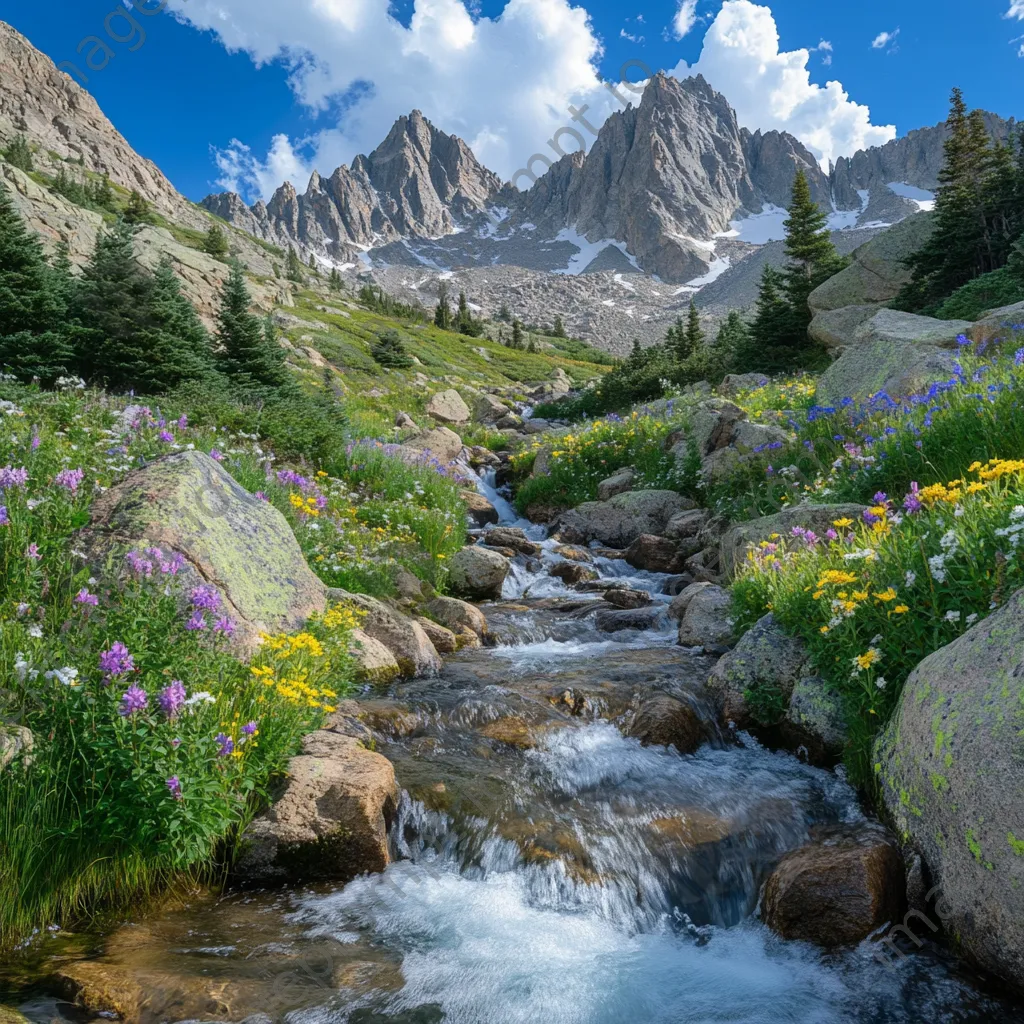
477, 573
620, 520
733, 383
815, 720
441, 443
448, 407
618, 483
457, 615
15, 741
490, 410
737, 539
835, 328
613, 620
952, 777
707, 620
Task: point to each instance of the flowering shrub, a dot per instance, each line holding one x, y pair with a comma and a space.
582, 459
874, 597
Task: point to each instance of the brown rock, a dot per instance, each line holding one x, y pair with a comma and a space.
456, 615
478, 508
623, 597
444, 640
574, 554
664, 720
572, 572
655, 554
838, 889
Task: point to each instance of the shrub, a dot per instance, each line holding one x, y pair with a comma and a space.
389, 350
990, 291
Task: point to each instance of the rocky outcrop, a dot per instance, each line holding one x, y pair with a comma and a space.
895, 353
448, 407
620, 520
16, 743
952, 778
186, 503
404, 638
478, 573
479, 510
838, 889
490, 410
330, 823
877, 270
738, 539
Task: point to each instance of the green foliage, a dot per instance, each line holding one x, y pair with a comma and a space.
505, 314
19, 154
979, 211
579, 461
215, 243
90, 193
465, 322
375, 298
249, 353
33, 303
516, 341
334, 281
686, 339
389, 350
293, 267
443, 311
989, 291
136, 210
558, 330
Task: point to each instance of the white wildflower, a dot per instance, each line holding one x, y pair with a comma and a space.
952, 616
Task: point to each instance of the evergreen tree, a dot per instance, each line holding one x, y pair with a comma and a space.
70, 188
33, 302
772, 330
505, 314
19, 154
1015, 263
249, 353
293, 267
733, 341
112, 310
334, 283
517, 335
558, 331
443, 312
691, 340
532, 347
313, 265
136, 209
465, 322
215, 243
179, 347
389, 350
101, 194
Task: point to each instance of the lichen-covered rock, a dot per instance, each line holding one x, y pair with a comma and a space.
448, 407
815, 720
625, 597
687, 524
331, 821
620, 520
15, 742
677, 609
403, 637
618, 483
733, 383
374, 662
737, 539
707, 621
477, 573
457, 615
838, 889
835, 328
187, 503
574, 554
668, 721
952, 777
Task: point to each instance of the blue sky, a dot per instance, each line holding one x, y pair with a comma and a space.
181, 98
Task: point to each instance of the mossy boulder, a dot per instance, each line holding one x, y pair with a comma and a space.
951, 769
187, 503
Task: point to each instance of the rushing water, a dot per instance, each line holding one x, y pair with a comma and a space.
548, 868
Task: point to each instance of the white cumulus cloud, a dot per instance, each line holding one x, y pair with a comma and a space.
770, 88
883, 39
686, 18
1016, 9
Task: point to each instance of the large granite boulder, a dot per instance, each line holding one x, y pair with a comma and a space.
403, 637
738, 538
835, 328
620, 520
478, 573
707, 620
331, 821
188, 504
448, 407
375, 663
489, 410
618, 483
877, 270
835, 891
441, 444
898, 353
952, 777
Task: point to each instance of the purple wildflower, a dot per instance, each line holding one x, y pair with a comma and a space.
172, 698
260, 496
69, 479
216, 455
225, 743
139, 564
831, 534
869, 517
84, 597
32, 552
175, 743
173, 565
182, 422
117, 661
1018, 357
11, 477
912, 503
4, 520
134, 699
174, 785
205, 597
195, 623
224, 626
881, 498
166, 436
36, 439
249, 729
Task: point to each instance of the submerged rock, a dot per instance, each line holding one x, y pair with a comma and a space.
952, 777
664, 720
187, 503
331, 820
630, 618
838, 889
572, 572
625, 597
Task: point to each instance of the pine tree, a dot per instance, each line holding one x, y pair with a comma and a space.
101, 194
112, 310
505, 314
443, 312
532, 347
334, 283
33, 303
293, 267
517, 335
1015, 263
249, 353
179, 347
136, 210
812, 255
691, 340
733, 341
215, 243
313, 265
558, 331
19, 154
389, 350
771, 332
